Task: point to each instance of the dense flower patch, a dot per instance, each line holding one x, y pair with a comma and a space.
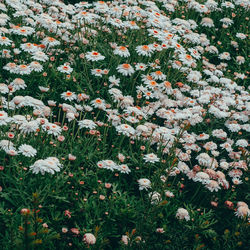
124, 124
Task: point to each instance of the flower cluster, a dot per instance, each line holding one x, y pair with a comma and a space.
142, 103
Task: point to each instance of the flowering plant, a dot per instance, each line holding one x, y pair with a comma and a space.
124, 124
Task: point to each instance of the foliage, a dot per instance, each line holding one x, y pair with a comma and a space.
124, 125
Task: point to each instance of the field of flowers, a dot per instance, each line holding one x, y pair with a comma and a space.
124, 124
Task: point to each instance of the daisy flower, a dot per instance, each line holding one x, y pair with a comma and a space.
225, 56
242, 143
158, 75
124, 169
169, 194
52, 129
202, 136
131, 119
131, 25
96, 72
94, 56
202, 177
89, 239
227, 21
144, 183
186, 59
125, 129
207, 22
49, 165
236, 181
182, 214
50, 41
125, 69
99, 103
5, 40
149, 94
121, 51
151, 84
213, 186
6, 53
24, 31
29, 127
114, 81
40, 56
28, 47
4, 89
36, 66
240, 60
194, 53
23, 69
11, 152
242, 211
69, 96
18, 83
144, 50
141, 66
233, 127
155, 197
241, 36
152, 158
11, 67
6, 145
27, 150
86, 124
107, 164
65, 69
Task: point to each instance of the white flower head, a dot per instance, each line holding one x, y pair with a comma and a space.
144, 183
182, 214
94, 56
49, 165
27, 150
152, 158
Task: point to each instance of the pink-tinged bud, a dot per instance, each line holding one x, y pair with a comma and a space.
108, 185
160, 230
61, 138
71, 157
229, 204
64, 230
75, 231
25, 211
85, 41
11, 135
67, 213
102, 197
214, 204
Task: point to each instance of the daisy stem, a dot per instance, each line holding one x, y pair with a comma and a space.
196, 192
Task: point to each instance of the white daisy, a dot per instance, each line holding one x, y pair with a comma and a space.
152, 158
86, 124
70, 96
125, 69
121, 51
145, 50
65, 69
94, 56
144, 183
124, 169
27, 150
49, 165
182, 214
